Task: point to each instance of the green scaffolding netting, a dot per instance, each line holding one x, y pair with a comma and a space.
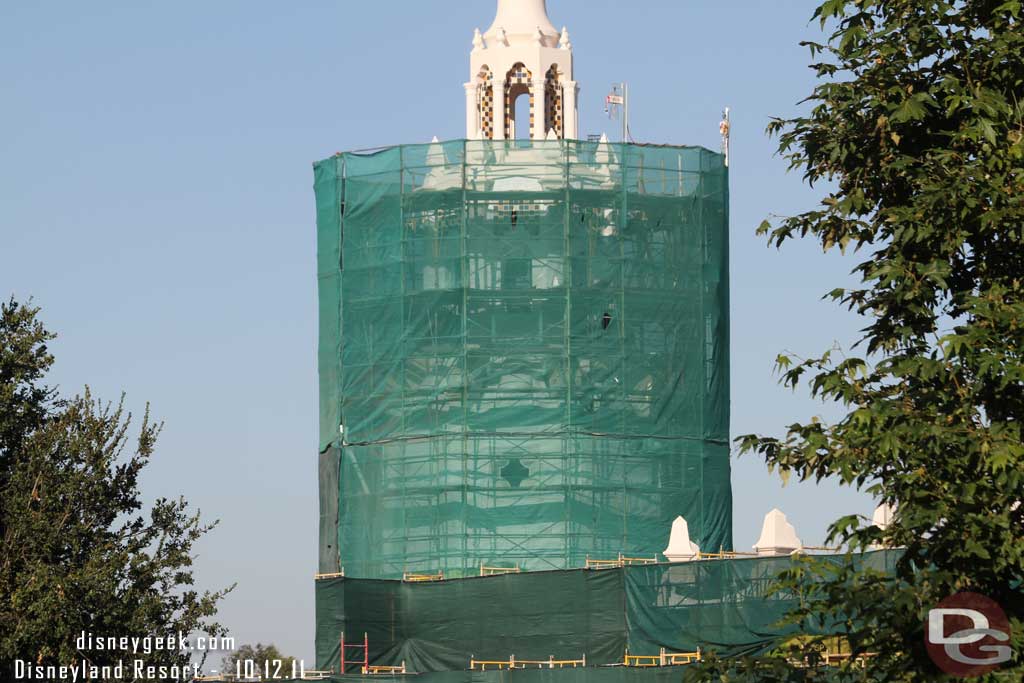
724, 605
523, 354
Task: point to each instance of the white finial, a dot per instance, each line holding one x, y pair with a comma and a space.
539, 36
551, 134
680, 547
502, 36
442, 175
882, 518
478, 41
604, 139
883, 515
778, 537
563, 41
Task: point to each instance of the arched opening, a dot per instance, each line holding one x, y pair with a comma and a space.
518, 109
521, 117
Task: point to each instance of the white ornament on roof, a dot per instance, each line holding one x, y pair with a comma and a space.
778, 537
478, 41
563, 41
882, 518
680, 547
883, 515
442, 175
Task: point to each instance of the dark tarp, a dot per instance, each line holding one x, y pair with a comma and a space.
722, 605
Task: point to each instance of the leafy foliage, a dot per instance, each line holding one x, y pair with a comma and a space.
917, 122
79, 550
24, 359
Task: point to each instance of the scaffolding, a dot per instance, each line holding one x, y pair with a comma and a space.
523, 354
513, 663
363, 661
663, 658
620, 561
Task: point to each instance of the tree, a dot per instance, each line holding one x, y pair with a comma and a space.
917, 122
265, 659
79, 550
24, 360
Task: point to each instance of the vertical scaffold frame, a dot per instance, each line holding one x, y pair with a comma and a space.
364, 663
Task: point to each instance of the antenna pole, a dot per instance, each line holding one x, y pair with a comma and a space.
619, 97
625, 112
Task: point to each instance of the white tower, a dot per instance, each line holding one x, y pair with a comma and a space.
521, 55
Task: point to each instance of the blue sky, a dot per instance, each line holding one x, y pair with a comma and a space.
156, 201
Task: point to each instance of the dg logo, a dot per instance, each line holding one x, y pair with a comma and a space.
968, 635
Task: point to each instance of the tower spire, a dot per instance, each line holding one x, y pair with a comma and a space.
522, 20
522, 54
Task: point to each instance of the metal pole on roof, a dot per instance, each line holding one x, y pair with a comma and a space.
625, 112
618, 97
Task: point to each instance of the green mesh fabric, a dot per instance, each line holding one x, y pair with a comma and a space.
720, 605
523, 354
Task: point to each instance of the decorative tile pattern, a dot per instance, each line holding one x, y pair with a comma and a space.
553, 116
486, 99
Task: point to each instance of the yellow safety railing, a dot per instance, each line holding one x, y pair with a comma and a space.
836, 658
383, 670
513, 663
723, 554
497, 571
335, 575
420, 578
663, 658
830, 651
621, 561
602, 564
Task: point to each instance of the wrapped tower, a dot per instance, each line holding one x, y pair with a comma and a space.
524, 338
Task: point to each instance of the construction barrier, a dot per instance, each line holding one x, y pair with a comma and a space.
726, 605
